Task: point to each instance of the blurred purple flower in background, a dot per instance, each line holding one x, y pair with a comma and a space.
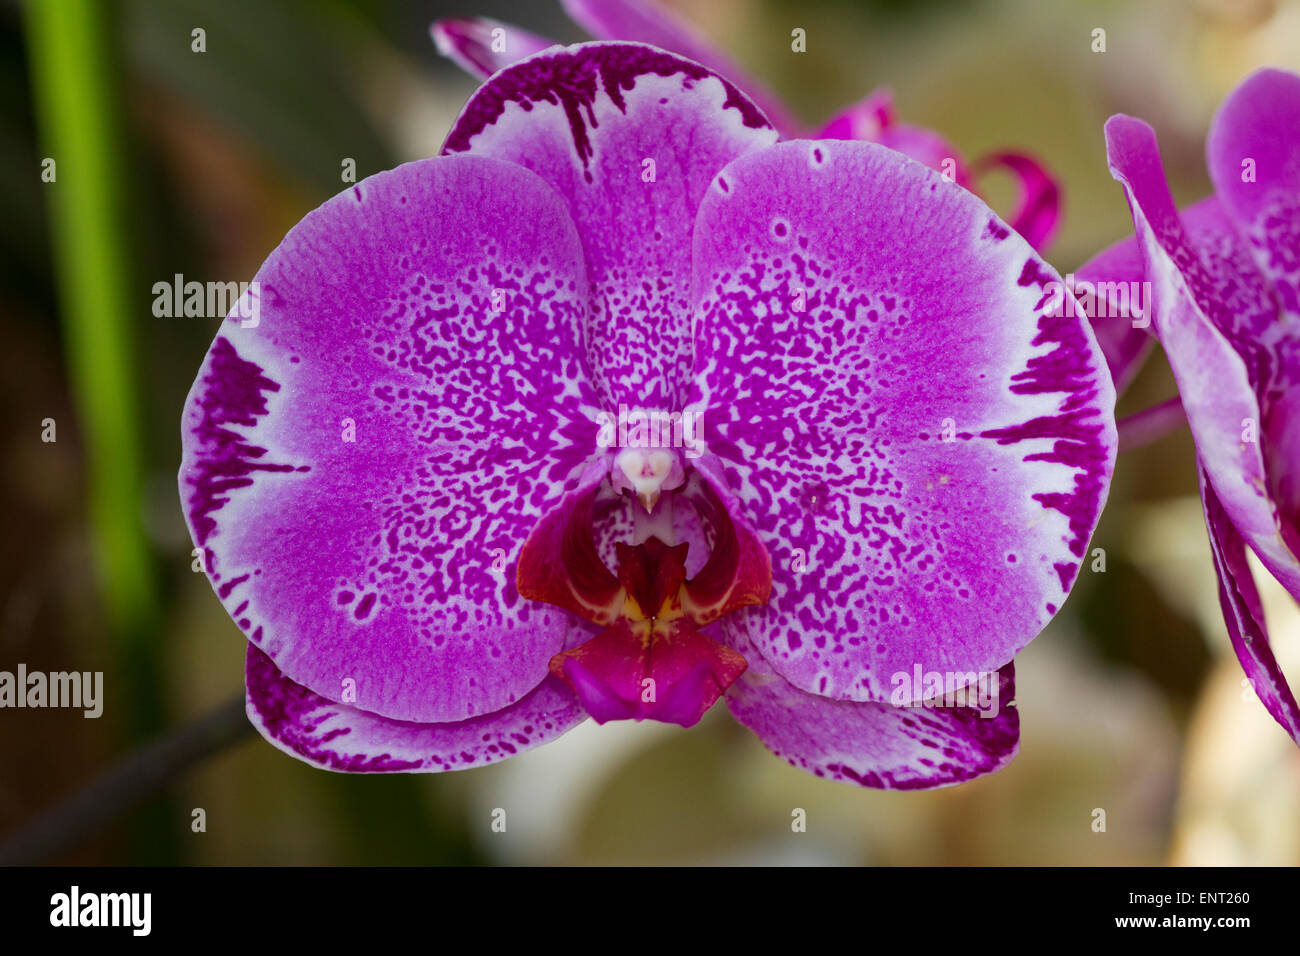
1225, 275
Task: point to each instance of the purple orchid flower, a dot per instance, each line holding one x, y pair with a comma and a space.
426, 490
1225, 280
482, 46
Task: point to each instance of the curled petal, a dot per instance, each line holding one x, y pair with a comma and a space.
341, 737
645, 21
365, 453
1038, 210
591, 121
1244, 616
481, 46
1119, 295
874, 744
921, 443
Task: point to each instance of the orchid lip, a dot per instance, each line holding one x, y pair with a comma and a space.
651, 660
652, 663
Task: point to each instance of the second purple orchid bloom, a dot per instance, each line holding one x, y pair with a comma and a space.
1225, 281
620, 407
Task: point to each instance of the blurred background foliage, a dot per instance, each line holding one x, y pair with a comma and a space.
1131, 701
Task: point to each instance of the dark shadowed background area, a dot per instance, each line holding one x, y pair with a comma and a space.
1131, 701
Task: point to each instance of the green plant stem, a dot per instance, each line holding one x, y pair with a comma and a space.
74, 82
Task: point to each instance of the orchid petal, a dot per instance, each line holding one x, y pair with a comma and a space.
865, 120
1211, 313
1244, 616
362, 461
874, 744
630, 137
644, 21
472, 44
1122, 329
1118, 274
1238, 298
1253, 153
340, 737
853, 309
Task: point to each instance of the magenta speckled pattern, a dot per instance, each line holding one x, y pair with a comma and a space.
357, 462
589, 121
890, 413
874, 744
924, 450
345, 738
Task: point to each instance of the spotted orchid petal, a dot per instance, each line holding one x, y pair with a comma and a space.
338, 736
925, 452
1118, 289
481, 46
1254, 158
1245, 617
591, 120
874, 744
362, 463
645, 21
